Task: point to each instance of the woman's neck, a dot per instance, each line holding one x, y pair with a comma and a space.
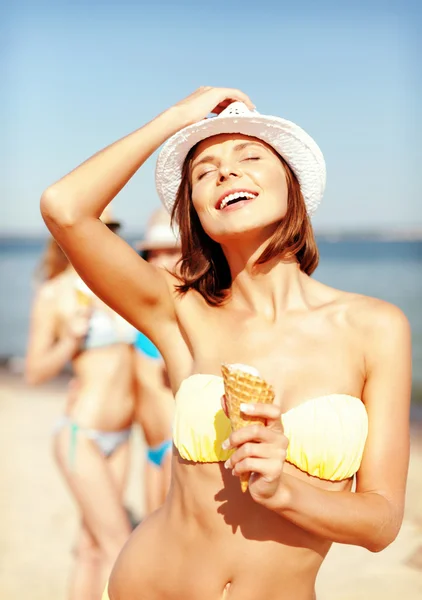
269, 289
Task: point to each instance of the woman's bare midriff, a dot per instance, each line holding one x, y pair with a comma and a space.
213, 542
104, 398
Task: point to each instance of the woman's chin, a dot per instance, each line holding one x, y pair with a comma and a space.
244, 227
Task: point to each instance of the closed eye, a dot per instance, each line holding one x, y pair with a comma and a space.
252, 158
203, 175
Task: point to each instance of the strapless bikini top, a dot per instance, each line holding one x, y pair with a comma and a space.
326, 435
106, 329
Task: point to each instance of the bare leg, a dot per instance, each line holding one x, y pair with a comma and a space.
87, 570
94, 487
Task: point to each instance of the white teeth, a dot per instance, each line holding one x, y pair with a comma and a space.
235, 196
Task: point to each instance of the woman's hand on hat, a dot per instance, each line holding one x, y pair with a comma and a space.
206, 100
261, 451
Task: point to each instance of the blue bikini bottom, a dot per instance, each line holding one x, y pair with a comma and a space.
145, 346
157, 454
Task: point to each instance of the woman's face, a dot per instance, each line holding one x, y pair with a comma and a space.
238, 186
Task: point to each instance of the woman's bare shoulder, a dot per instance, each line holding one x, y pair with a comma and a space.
370, 313
366, 312
54, 290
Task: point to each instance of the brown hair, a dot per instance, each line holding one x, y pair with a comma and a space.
53, 262
204, 267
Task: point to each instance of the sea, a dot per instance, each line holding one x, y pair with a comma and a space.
390, 270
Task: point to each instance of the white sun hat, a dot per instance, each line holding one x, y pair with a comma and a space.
297, 148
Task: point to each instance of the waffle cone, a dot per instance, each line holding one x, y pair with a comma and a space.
243, 387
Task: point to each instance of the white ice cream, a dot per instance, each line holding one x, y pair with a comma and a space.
245, 368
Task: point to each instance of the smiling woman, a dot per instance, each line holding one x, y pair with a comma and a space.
242, 187
203, 191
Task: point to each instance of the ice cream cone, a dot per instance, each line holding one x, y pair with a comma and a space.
243, 384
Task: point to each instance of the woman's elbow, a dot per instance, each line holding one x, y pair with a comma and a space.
381, 541
56, 211
378, 545
33, 375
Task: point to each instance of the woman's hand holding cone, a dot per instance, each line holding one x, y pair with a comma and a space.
260, 451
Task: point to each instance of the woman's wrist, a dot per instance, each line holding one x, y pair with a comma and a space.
282, 499
176, 118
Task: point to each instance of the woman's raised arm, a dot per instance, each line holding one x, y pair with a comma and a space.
71, 209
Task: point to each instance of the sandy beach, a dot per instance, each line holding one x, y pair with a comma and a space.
39, 519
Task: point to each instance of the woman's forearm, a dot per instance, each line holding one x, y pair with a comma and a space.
46, 366
361, 519
88, 189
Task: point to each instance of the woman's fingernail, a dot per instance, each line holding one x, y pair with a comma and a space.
247, 408
225, 444
227, 464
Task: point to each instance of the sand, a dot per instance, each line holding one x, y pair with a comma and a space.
39, 520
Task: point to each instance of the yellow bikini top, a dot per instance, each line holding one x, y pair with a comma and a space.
326, 435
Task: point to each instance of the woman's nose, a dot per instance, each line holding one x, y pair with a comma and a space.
226, 172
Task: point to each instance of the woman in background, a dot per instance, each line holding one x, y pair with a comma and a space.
155, 403
69, 324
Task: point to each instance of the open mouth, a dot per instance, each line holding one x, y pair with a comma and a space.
235, 198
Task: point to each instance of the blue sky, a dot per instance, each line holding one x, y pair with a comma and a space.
78, 75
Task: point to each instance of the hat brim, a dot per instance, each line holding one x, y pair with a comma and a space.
297, 148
